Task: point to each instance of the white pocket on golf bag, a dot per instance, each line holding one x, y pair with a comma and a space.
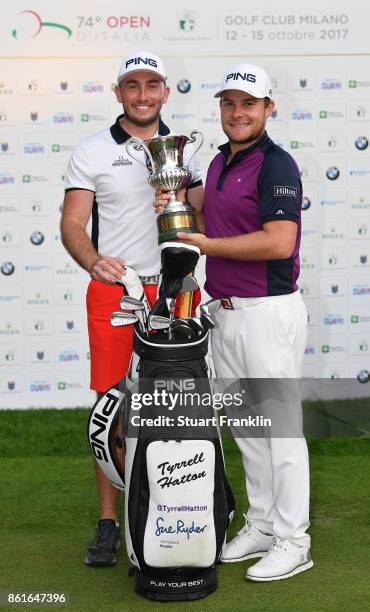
180, 529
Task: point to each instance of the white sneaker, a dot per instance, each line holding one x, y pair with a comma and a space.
284, 559
249, 543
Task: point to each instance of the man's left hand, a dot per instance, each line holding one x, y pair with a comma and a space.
199, 240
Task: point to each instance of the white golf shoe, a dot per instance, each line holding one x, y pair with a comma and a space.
283, 560
250, 542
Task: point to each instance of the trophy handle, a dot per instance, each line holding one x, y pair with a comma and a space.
193, 138
137, 146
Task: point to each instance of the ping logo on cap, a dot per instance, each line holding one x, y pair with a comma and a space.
246, 76
147, 61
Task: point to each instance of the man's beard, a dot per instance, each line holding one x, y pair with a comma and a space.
245, 141
142, 122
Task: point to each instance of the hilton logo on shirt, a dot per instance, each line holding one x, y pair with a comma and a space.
285, 191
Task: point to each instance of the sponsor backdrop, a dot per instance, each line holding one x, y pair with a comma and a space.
58, 67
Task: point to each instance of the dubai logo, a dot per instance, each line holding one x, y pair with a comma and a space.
31, 24
186, 20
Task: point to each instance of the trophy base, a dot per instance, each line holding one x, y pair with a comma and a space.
177, 217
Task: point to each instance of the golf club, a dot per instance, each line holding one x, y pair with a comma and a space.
119, 319
206, 320
158, 322
128, 302
196, 325
189, 283
180, 328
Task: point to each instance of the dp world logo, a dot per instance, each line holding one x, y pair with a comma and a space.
332, 173
37, 238
183, 86
186, 21
7, 268
30, 25
361, 143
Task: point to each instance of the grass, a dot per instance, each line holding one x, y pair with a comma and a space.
49, 510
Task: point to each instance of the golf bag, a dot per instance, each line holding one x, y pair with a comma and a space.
178, 501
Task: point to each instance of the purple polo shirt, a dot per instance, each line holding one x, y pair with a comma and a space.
261, 183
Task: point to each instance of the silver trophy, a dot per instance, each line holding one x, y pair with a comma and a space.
169, 173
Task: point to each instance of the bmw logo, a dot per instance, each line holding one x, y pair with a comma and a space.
332, 173
37, 238
361, 143
363, 376
7, 268
306, 203
183, 86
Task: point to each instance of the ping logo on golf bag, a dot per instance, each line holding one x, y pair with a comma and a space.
101, 420
245, 76
169, 384
142, 60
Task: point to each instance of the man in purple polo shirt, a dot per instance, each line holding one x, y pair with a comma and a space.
251, 239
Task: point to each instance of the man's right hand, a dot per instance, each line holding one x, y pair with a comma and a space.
162, 197
108, 270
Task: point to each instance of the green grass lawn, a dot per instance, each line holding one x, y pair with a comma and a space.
49, 511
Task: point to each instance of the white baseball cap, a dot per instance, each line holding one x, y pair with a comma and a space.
139, 61
248, 78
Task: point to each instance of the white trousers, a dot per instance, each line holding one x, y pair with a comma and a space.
265, 338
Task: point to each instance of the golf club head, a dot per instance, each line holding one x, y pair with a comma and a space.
204, 309
127, 302
134, 288
189, 283
206, 321
118, 319
196, 324
180, 328
158, 322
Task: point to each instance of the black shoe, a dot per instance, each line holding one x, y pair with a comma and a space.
102, 549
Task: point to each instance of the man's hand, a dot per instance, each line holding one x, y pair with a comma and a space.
108, 270
199, 240
162, 197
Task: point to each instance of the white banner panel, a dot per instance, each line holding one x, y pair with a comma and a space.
58, 65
